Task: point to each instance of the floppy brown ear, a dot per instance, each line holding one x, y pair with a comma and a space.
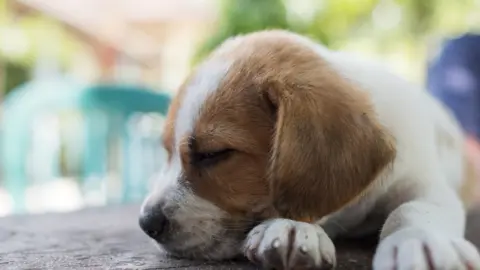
328, 145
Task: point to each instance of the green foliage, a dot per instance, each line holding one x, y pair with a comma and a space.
15, 75
42, 35
419, 15
37, 34
339, 22
333, 20
244, 16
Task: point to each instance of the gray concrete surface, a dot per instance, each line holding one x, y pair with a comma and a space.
109, 238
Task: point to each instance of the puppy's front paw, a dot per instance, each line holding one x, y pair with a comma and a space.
287, 244
420, 249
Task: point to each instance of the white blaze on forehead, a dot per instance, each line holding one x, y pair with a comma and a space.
196, 217
204, 83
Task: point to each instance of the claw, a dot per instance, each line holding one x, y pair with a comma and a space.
276, 243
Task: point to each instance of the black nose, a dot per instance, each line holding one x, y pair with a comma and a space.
153, 222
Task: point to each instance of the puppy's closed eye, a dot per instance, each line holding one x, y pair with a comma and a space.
210, 158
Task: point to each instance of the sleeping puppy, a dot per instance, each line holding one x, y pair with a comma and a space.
277, 145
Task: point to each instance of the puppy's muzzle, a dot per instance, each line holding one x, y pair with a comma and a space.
153, 221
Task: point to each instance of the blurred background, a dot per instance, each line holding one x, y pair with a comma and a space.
85, 84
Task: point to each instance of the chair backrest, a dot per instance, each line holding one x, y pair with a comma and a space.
107, 111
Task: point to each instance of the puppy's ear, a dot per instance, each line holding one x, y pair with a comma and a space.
328, 144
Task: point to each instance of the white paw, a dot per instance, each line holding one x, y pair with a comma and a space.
419, 249
287, 244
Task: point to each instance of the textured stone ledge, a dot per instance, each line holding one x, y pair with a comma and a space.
108, 238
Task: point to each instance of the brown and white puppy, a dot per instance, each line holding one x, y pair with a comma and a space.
277, 145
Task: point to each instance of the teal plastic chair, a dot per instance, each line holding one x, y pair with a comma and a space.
106, 110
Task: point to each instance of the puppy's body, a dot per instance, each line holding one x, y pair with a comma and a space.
426, 135
273, 129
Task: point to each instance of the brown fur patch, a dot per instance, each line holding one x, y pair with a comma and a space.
169, 128
307, 142
239, 120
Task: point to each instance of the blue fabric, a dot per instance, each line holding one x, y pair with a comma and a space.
454, 78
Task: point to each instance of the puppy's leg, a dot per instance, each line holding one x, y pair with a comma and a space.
351, 221
427, 232
288, 244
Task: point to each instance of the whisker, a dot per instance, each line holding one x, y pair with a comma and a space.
339, 226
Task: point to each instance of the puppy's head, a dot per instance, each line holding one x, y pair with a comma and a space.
263, 128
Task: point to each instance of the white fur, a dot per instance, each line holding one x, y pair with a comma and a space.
272, 244
419, 195
205, 82
193, 216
